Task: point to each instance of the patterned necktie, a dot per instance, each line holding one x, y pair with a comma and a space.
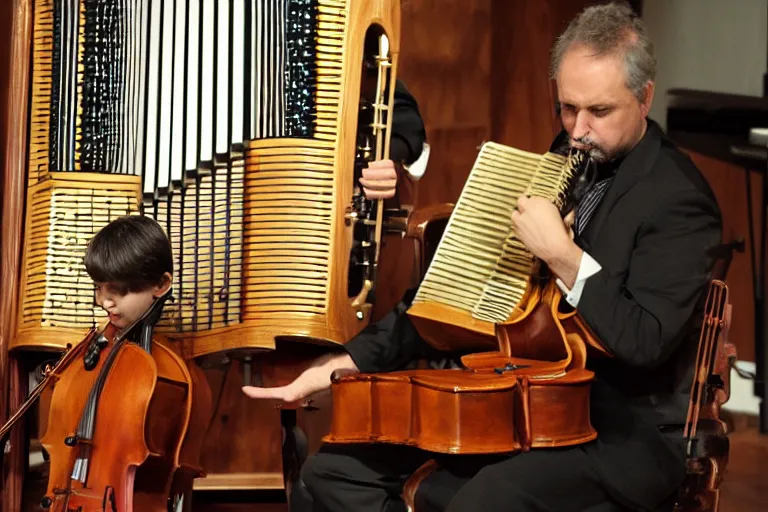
589, 204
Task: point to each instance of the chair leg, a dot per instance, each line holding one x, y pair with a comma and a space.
294, 451
411, 486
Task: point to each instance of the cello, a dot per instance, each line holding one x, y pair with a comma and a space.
532, 393
523, 383
122, 432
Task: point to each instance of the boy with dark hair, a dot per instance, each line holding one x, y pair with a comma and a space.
131, 264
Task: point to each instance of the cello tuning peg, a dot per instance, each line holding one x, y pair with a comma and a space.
46, 502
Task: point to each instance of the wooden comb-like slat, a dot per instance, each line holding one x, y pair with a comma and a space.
480, 266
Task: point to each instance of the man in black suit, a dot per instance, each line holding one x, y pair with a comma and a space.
635, 267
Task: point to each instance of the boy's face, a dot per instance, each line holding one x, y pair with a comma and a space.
125, 308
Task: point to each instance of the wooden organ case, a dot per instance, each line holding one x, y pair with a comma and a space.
241, 126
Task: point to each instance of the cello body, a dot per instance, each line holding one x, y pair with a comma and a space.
468, 411
497, 403
140, 422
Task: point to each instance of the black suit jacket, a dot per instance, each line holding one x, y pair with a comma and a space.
652, 235
408, 133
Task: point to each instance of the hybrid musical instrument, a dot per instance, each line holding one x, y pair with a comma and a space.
523, 382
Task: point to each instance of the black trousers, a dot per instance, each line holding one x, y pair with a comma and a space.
370, 478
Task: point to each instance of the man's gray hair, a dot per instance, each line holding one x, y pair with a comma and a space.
611, 28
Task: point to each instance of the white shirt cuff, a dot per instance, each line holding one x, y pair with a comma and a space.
419, 167
587, 268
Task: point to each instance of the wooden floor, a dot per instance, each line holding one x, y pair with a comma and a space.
745, 488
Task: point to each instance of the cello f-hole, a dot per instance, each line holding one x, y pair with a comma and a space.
109, 503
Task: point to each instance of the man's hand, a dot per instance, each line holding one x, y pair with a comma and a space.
379, 180
546, 234
315, 378
540, 227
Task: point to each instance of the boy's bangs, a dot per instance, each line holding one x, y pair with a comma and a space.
105, 268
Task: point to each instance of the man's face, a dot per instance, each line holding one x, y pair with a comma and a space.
598, 110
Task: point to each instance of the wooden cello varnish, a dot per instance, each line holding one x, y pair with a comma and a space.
495, 404
117, 428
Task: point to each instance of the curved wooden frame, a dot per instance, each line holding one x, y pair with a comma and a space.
14, 178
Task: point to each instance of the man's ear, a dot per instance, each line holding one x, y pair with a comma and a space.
648, 91
165, 284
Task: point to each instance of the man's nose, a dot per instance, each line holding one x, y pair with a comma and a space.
107, 303
581, 127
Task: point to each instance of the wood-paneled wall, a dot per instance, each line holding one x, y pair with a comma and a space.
15, 43
479, 71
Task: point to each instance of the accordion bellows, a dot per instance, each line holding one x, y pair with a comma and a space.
481, 271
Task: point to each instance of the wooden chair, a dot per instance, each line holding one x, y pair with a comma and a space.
705, 431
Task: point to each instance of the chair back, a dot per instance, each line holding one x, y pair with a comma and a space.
705, 432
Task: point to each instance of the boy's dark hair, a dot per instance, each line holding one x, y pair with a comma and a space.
131, 252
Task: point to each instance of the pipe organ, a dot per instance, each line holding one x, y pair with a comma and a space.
245, 125
242, 127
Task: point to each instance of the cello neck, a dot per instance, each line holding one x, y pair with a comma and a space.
87, 424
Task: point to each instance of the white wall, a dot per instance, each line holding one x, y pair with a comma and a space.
712, 45
715, 45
